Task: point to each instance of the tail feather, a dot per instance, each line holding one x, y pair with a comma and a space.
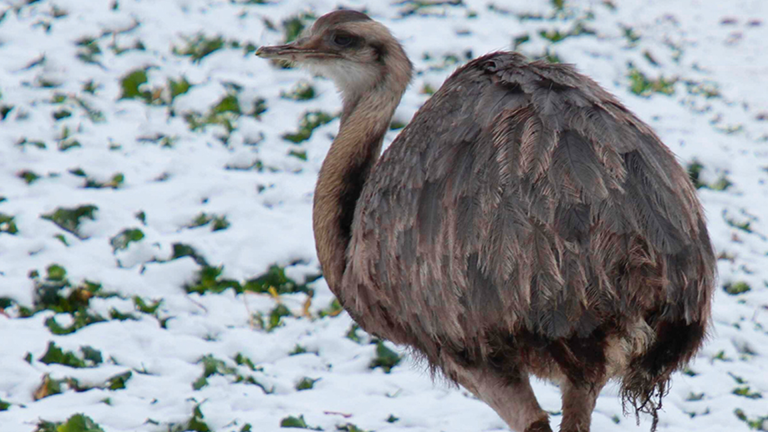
647, 380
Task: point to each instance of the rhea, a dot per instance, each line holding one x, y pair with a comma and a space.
524, 223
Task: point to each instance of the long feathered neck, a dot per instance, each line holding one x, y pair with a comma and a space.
364, 121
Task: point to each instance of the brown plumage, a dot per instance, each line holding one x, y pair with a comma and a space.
524, 222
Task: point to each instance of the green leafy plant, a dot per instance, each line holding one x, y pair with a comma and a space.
275, 317
242, 360
209, 280
202, 219
211, 366
306, 384
293, 26
641, 85
200, 46
113, 183
23, 142
48, 387
28, 176
181, 250
195, 423
352, 333
224, 114
298, 154
131, 83
62, 114
631, 35
298, 349
297, 423
133, 86
556, 36
162, 140
127, 236
178, 87
694, 173
333, 309
69, 219
745, 392
736, 288
276, 279
56, 293
349, 427
76, 423
66, 141
118, 382
308, 123
88, 50
385, 358
756, 423
7, 224
301, 91
54, 354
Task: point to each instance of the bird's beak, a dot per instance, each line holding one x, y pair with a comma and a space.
296, 51
278, 51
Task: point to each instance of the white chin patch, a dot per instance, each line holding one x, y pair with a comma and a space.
347, 75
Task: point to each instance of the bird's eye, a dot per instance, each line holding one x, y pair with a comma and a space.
342, 40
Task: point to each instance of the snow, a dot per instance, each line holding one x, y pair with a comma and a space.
721, 44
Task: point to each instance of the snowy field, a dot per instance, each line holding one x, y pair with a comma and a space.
157, 264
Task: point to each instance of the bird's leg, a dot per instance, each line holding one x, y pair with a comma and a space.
578, 403
511, 397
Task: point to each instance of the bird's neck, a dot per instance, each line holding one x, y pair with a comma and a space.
364, 121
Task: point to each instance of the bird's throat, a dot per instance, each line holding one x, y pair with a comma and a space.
346, 168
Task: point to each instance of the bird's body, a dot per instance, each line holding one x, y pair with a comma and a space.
524, 222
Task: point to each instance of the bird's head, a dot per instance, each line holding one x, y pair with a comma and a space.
350, 48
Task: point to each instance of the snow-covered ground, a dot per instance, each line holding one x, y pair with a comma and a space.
148, 172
